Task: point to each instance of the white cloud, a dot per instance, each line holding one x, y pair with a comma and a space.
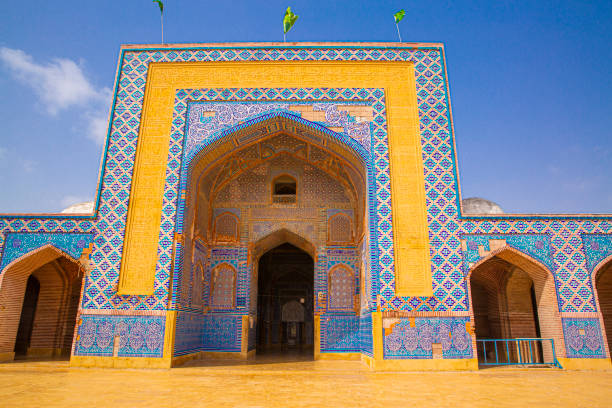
61, 85
97, 125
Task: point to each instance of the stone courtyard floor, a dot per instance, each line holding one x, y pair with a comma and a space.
296, 384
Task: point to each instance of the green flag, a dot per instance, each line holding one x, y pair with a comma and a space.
289, 20
399, 15
160, 4
161, 10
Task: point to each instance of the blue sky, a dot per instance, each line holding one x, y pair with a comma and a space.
530, 87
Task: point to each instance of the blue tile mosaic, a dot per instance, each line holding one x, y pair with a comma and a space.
189, 333
365, 335
222, 332
141, 336
18, 244
406, 341
597, 248
583, 338
340, 333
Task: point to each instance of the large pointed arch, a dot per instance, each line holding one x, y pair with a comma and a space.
343, 150
232, 172
239, 138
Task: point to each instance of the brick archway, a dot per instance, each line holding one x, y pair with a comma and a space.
602, 285
512, 296
60, 279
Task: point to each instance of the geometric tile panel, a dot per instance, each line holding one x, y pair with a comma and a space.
189, 333
537, 246
406, 341
340, 333
583, 338
365, 335
597, 247
139, 336
222, 332
342, 260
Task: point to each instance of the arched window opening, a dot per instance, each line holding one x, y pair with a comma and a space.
340, 229
198, 281
226, 228
284, 189
341, 289
223, 287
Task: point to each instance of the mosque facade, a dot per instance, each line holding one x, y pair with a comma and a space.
303, 198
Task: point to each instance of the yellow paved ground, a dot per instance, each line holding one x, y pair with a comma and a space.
296, 384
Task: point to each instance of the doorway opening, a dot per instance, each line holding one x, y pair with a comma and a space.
603, 286
285, 302
26, 321
41, 294
514, 305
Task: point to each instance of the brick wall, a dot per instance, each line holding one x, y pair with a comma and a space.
519, 304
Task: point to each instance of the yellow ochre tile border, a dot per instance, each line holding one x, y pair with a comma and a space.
411, 242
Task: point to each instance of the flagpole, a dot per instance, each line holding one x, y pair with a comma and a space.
398, 32
162, 21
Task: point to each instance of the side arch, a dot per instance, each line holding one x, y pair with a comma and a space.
601, 281
60, 277
36, 258
504, 277
514, 256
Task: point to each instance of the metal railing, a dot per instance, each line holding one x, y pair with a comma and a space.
523, 351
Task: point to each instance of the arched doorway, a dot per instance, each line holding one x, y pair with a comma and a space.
603, 288
285, 301
514, 301
40, 294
